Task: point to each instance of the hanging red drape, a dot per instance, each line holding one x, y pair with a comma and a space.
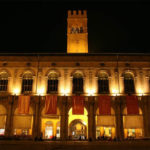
132, 105
104, 105
23, 104
78, 105
51, 104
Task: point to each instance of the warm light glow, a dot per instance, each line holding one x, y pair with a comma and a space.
115, 92
65, 92
16, 91
40, 91
91, 92
140, 92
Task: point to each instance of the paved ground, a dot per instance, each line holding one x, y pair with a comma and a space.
68, 145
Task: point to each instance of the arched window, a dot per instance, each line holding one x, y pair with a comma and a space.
129, 83
77, 83
3, 81
103, 83
27, 82
52, 86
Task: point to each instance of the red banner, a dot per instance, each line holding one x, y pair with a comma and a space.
23, 104
78, 105
132, 105
104, 105
51, 104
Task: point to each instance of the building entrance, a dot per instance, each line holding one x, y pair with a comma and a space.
78, 130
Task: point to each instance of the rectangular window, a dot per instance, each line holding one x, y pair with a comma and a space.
103, 86
3, 85
27, 86
52, 86
129, 86
77, 85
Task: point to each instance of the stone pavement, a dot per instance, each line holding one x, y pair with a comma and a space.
74, 145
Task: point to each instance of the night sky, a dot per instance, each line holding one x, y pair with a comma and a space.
41, 26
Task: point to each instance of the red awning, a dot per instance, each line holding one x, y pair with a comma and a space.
23, 104
132, 105
78, 105
51, 104
104, 105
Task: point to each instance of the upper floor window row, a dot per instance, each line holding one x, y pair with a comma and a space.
3, 81
77, 82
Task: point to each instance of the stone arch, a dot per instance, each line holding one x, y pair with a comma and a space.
5, 71
103, 71
27, 71
132, 72
53, 71
112, 111
78, 71
31, 112
124, 111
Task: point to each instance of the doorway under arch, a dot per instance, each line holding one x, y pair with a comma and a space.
78, 125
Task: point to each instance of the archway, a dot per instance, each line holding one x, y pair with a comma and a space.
50, 125
78, 125
105, 125
22, 123
133, 124
2, 119
77, 129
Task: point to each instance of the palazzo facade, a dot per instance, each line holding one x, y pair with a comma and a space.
76, 73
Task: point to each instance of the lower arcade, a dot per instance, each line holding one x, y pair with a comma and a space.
65, 124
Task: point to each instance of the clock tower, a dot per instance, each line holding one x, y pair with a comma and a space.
77, 34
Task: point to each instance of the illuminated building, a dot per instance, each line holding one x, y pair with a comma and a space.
66, 75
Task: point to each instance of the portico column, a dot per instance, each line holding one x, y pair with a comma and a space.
148, 106
119, 119
9, 116
91, 119
145, 116
64, 119
36, 122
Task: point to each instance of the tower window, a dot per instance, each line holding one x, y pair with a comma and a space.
103, 83
81, 29
3, 81
27, 83
52, 83
129, 83
77, 83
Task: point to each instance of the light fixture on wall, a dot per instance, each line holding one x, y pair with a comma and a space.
91, 92
40, 91
140, 92
16, 91
64, 92
115, 92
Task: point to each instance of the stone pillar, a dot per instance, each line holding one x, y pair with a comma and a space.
64, 119
37, 118
145, 116
8, 129
110, 85
148, 116
119, 119
121, 85
91, 119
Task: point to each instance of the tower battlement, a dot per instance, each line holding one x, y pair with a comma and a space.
77, 13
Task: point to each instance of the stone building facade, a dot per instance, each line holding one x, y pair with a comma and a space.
67, 75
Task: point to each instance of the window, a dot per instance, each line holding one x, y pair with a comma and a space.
129, 83
27, 83
103, 83
52, 83
3, 81
77, 83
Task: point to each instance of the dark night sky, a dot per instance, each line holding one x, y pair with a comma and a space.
40, 26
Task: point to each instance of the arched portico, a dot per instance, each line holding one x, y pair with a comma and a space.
77, 125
